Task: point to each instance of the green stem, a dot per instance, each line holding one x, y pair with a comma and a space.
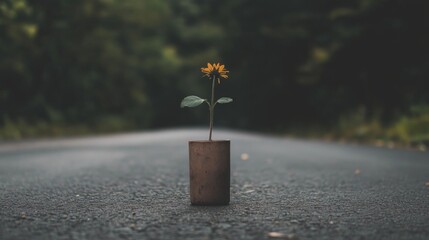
212, 108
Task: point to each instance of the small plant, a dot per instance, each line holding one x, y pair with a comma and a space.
214, 72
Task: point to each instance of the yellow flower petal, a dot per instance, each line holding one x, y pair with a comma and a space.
215, 70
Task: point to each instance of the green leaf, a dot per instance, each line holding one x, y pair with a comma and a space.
223, 100
191, 101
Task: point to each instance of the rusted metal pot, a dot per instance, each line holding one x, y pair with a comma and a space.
209, 172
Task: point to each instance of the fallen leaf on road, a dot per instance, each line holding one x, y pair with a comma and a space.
132, 226
276, 234
249, 191
282, 236
357, 171
244, 156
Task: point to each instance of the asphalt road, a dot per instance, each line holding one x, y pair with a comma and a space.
135, 186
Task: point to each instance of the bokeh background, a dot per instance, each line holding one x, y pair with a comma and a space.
352, 69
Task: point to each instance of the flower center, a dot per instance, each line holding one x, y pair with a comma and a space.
215, 73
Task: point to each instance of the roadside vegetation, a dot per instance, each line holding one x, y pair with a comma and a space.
355, 70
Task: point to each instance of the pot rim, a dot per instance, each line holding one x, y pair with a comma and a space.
209, 141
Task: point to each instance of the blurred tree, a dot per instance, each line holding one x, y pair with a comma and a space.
81, 61
313, 61
380, 57
116, 65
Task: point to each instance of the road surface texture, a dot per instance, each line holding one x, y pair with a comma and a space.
135, 186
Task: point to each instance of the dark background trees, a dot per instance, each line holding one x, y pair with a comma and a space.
108, 65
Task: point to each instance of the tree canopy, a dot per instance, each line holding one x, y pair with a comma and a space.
111, 64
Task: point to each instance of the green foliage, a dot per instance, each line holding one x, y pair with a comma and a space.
224, 100
192, 101
406, 130
123, 64
412, 129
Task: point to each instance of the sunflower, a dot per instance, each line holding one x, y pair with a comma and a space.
215, 71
